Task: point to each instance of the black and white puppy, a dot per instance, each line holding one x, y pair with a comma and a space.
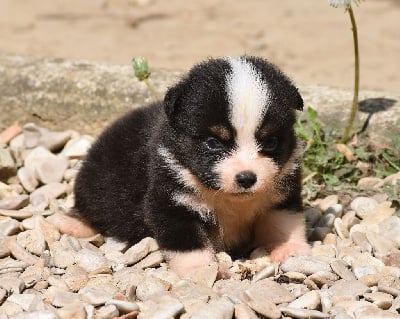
213, 167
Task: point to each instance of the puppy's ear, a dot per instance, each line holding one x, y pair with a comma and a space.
172, 100
298, 101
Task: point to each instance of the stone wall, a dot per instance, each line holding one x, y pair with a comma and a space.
86, 96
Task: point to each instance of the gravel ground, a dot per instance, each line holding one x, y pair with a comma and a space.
44, 273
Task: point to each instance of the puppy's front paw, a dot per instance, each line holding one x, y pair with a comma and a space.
284, 250
184, 263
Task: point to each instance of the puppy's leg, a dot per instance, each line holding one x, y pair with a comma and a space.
183, 263
282, 233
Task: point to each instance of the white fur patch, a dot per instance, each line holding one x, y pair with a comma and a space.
192, 202
249, 100
182, 174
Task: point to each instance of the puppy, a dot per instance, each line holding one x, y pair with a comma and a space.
213, 167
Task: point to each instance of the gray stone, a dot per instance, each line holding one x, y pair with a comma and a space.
49, 191
363, 206
305, 264
14, 202
312, 215
267, 272
221, 309
28, 179
326, 220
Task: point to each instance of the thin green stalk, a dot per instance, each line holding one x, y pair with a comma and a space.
356, 77
152, 89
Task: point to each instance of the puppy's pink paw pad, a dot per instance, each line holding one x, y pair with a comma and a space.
280, 253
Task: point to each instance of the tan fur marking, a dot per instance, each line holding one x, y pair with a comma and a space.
282, 233
221, 132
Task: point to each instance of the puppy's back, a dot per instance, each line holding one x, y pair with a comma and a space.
111, 184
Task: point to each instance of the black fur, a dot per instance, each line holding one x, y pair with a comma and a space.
124, 188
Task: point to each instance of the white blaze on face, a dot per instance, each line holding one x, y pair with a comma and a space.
249, 98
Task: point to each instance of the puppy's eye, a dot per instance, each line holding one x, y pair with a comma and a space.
270, 144
214, 144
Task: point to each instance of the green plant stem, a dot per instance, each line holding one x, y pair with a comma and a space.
356, 77
152, 89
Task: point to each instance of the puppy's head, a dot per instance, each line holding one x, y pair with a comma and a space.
233, 124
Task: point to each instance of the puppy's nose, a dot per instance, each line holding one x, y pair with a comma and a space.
246, 179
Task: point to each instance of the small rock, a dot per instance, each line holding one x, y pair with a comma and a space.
28, 302
72, 311
54, 141
231, 288
310, 300
392, 179
323, 278
381, 245
360, 239
59, 298
379, 214
8, 226
49, 191
14, 202
154, 259
139, 251
371, 312
267, 289
28, 179
7, 164
307, 265
9, 133
205, 275
90, 260
326, 220
34, 274
381, 299
389, 228
389, 284
16, 214
312, 215
319, 233
10, 309
267, 272
107, 312
244, 312
77, 148
94, 295
33, 241
340, 228
370, 183
163, 307
342, 270
7, 191
328, 201
123, 306
363, 206
347, 290
12, 285
19, 252
303, 313
150, 286
75, 277
264, 307
215, 310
